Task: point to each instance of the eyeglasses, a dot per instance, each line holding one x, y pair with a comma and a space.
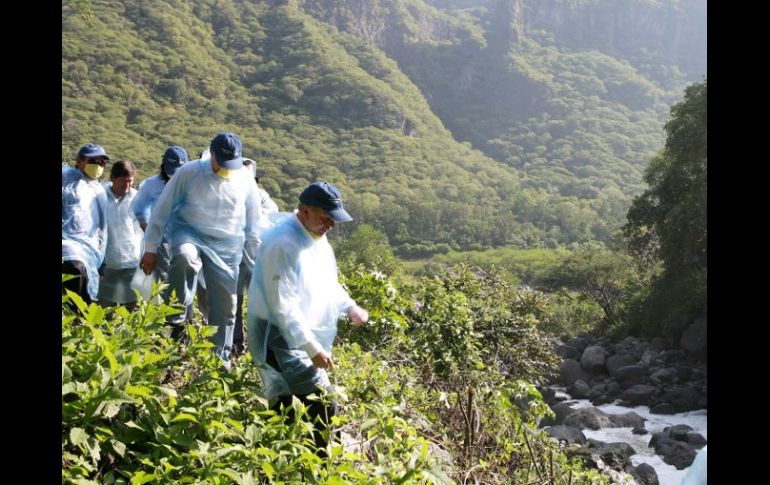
100, 161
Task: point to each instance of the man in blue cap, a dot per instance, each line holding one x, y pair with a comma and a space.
208, 213
84, 221
147, 196
295, 300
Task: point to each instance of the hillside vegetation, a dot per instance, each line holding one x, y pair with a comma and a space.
361, 93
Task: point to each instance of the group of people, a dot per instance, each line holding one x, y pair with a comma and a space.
201, 226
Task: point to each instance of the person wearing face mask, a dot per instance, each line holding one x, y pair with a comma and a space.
148, 195
209, 213
294, 302
124, 241
84, 221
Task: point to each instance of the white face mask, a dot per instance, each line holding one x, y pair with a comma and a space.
94, 170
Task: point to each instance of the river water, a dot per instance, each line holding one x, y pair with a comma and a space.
667, 474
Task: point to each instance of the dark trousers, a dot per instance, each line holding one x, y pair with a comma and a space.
239, 344
315, 409
79, 284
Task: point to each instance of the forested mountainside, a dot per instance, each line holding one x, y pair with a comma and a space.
389, 98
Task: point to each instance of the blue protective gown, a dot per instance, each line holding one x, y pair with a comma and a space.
83, 223
219, 216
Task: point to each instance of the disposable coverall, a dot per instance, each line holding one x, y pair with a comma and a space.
124, 248
295, 298
210, 223
83, 223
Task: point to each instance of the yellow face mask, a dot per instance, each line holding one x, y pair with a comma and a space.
94, 170
224, 173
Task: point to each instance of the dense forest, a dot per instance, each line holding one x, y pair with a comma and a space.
490, 113
520, 172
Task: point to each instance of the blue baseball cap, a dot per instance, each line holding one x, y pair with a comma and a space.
327, 197
92, 151
174, 158
226, 147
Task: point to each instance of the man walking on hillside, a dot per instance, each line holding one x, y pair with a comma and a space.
84, 221
295, 300
209, 213
124, 242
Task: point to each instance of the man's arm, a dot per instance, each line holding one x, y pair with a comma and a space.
253, 214
161, 213
142, 204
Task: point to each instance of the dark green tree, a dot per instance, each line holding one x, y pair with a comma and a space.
668, 221
598, 276
366, 246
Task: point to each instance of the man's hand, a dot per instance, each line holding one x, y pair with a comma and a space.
322, 361
148, 262
358, 315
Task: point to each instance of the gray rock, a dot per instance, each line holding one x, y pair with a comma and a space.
639, 431
640, 394
568, 352
579, 390
614, 455
615, 362
679, 455
562, 410
658, 344
648, 358
548, 394
696, 440
571, 371
682, 398
661, 442
644, 474
627, 420
567, 434
678, 432
587, 417
663, 408
666, 375
593, 359
631, 375
694, 338
580, 343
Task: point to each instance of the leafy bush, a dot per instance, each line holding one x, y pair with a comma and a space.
433, 390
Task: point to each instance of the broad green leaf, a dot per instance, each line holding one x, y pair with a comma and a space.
184, 417
268, 469
141, 477
78, 436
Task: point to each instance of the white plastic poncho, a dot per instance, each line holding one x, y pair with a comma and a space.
295, 288
124, 247
219, 216
83, 223
148, 194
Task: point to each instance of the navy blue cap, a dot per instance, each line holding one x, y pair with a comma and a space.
327, 197
92, 151
174, 158
226, 147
